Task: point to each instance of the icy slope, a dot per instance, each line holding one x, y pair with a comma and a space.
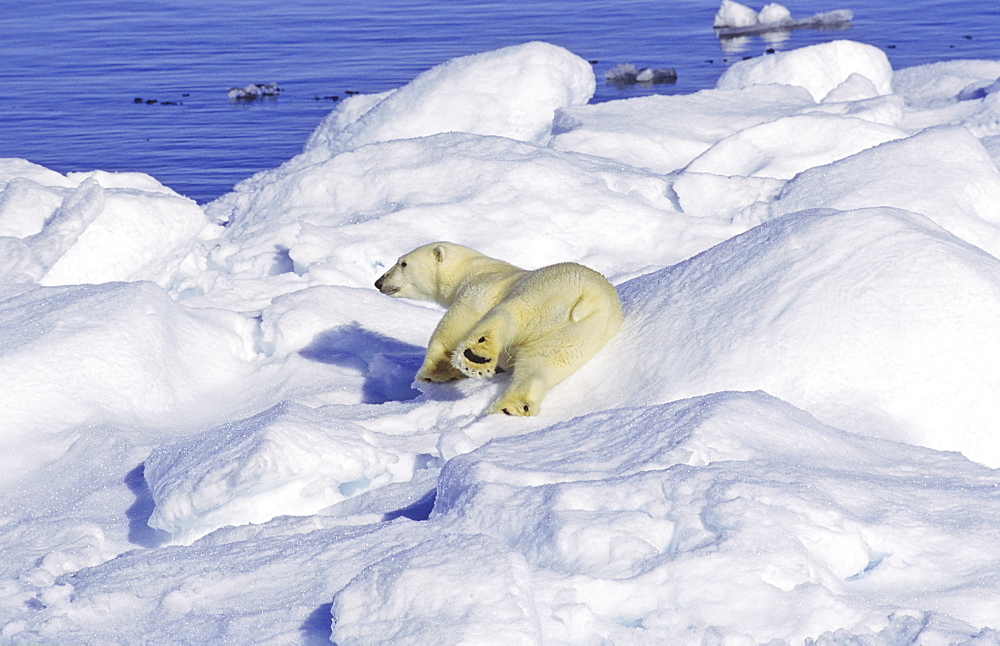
875, 320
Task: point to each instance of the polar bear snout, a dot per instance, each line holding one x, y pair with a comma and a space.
381, 286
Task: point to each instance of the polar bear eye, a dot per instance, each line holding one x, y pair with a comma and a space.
402, 264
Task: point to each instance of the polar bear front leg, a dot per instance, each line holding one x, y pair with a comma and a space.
437, 366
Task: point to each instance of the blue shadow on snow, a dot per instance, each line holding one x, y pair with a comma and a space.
387, 364
318, 627
139, 532
420, 510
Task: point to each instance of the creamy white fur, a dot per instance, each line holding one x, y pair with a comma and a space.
540, 324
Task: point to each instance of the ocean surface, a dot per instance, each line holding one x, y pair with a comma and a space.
122, 85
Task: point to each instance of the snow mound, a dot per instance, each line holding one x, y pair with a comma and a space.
511, 92
816, 308
117, 353
95, 227
664, 133
666, 500
818, 68
290, 459
965, 198
329, 220
939, 84
785, 147
951, 93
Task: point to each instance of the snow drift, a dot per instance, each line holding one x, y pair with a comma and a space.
212, 432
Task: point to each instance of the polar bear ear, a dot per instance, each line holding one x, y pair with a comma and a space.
439, 252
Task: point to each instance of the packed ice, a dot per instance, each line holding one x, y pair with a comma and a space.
253, 91
734, 19
629, 74
211, 431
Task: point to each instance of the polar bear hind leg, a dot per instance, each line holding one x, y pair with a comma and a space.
528, 385
551, 322
540, 365
480, 353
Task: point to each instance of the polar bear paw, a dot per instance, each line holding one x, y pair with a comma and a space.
439, 372
512, 406
476, 357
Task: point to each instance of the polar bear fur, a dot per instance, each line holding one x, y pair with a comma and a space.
541, 324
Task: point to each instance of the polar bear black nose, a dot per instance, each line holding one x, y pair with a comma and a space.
378, 283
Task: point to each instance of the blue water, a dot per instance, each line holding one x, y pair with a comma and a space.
70, 70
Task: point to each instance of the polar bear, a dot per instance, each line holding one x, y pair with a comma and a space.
541, 324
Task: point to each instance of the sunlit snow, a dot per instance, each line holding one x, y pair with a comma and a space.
211, 433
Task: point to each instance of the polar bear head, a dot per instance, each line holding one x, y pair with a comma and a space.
427, 272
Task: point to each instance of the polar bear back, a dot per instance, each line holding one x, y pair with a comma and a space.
547, 298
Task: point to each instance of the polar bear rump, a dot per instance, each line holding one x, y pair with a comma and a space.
541, 325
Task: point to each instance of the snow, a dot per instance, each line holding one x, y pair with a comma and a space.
472, 94
253, 91
734, 14
773, 13
734, 20
94, 227
819, 69
211, 433
627, 74
664, 133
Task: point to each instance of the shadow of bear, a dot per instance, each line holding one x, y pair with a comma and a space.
388, 365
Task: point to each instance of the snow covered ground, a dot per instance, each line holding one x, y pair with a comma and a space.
210, 433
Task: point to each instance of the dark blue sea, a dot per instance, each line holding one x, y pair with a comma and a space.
141, 85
